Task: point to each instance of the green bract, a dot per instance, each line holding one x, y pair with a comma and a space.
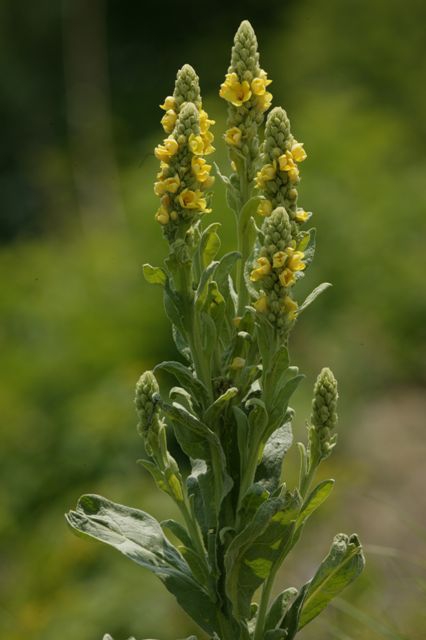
231, 319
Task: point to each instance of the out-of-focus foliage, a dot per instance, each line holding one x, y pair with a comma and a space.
78, 325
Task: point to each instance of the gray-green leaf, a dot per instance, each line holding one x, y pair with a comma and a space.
139, 536
343, 564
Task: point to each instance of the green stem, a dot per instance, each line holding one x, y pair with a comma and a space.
243, 248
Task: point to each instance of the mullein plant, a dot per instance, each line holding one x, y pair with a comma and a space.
231, 320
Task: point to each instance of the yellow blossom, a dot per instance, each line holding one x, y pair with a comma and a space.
235, 91
205, 122
262, 270
279, 259
286, 161
189, 199
196, 144
233, 136
295, 262
200, 169
166, 150
169, 120
264, 101
302, 215
207, 138
258, 85
171, 185
298, 152
162, 215
261, 305
169, 103
290, 307
293, 174
287, 278
267, 172
265, 208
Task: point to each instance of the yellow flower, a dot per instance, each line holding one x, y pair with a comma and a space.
235, 91
286, 161
205, 122
295, 262
169, 103
200, 169
267, 172
189, 199
168, 120
207, 138
287, 278
166, 150
302, 215
261, 305
258, 85
172, 184
290, 307
262, 270
162, 215
265, 208
233, 136
293, 174
298, 152
264, 101
196, 144
279, 259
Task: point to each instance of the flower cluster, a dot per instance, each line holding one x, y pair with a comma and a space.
184, 177
324, 415
277, 269
245, 90
278, 177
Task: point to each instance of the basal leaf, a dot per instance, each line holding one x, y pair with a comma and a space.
343, 564
139, 537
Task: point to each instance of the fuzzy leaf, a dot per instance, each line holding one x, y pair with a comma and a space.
154, 275
252, 553
269, 471
139, 537
219, 406
291, 619
313, 295
178, 530
315, 500
186, 378
279, 608
209, 244
343, 564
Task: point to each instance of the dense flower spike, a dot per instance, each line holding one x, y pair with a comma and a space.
324, 412
146, 402
279, 175
184, 177
278, 266
245, 90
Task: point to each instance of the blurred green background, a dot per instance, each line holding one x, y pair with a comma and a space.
80, 83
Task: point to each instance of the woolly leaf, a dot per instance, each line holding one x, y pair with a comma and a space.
279, 608
342, 565
313, 295
154, 275
139, 537
315, 500
269, 471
